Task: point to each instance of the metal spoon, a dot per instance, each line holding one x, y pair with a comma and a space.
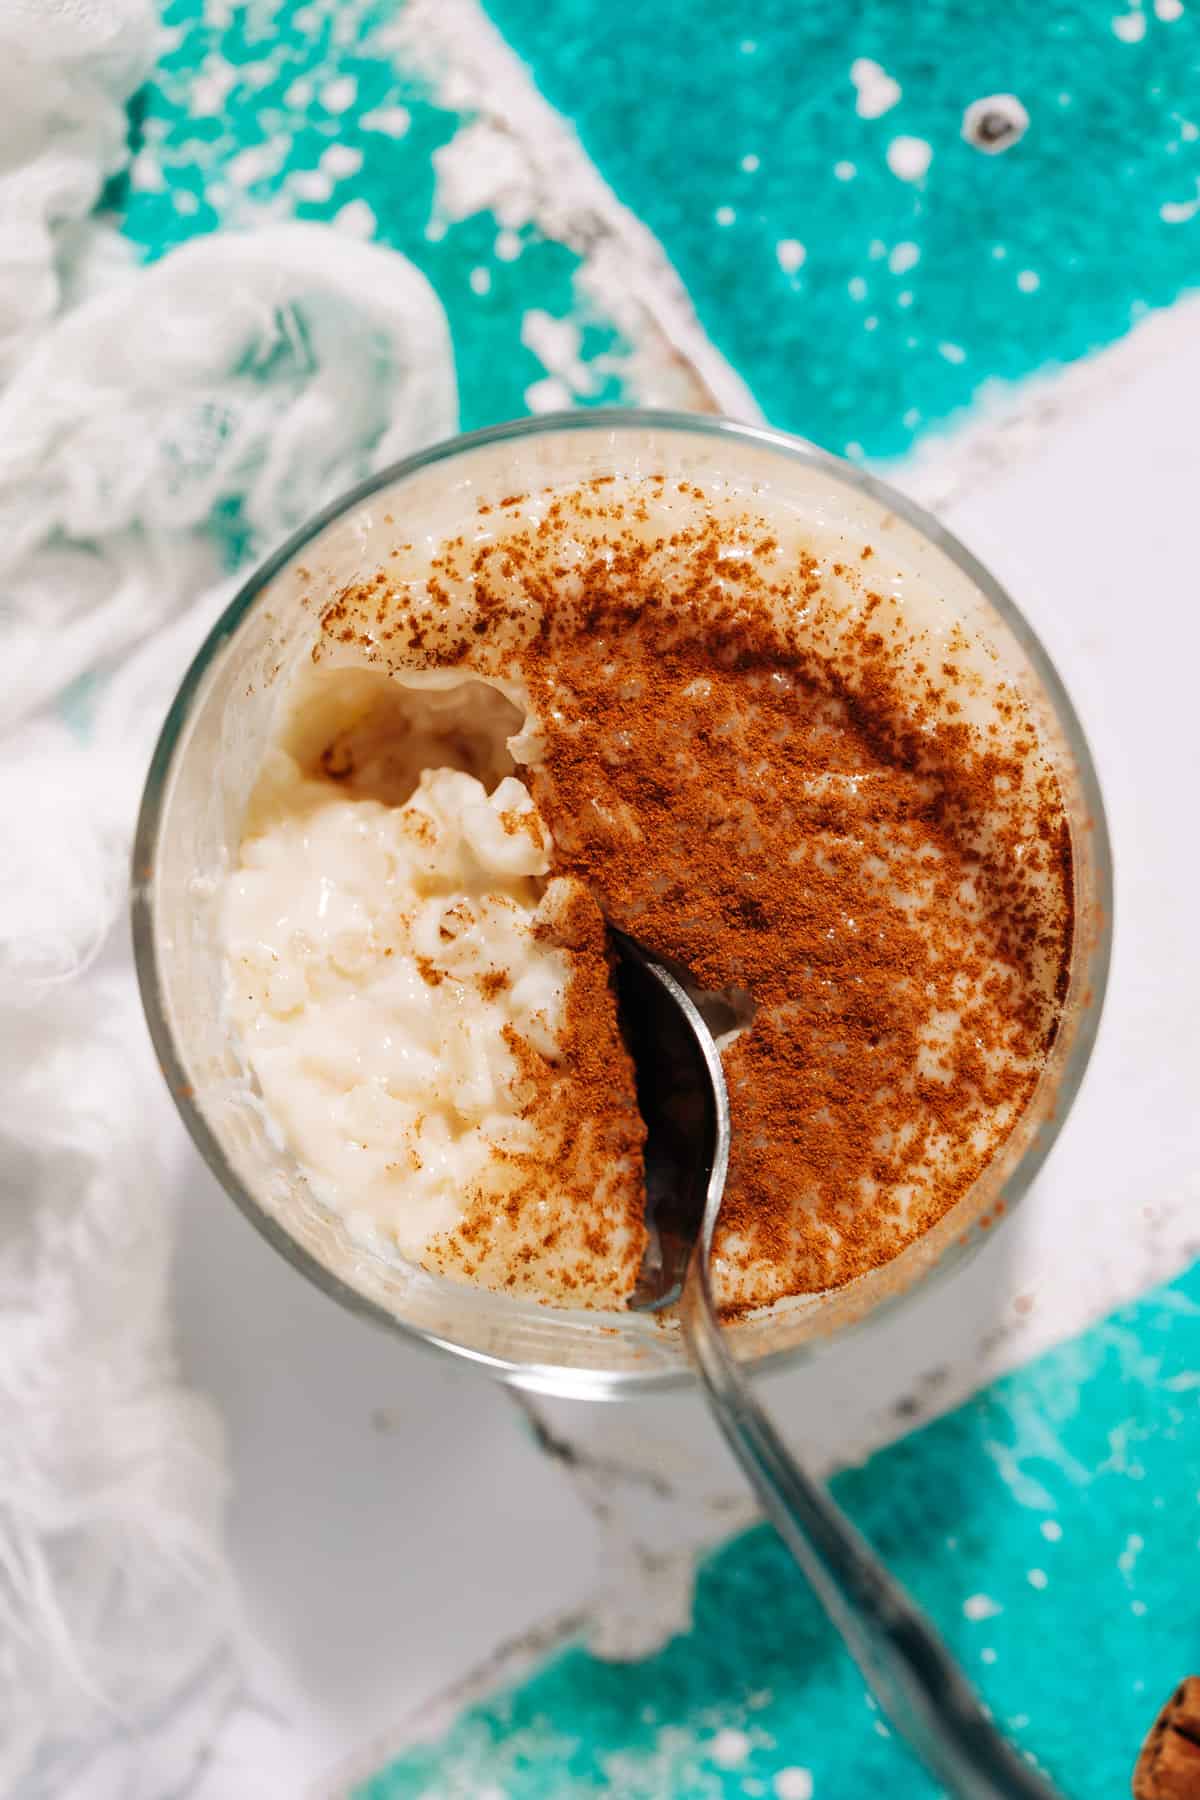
683, 1099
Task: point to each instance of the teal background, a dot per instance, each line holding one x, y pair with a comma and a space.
1097, 1440
669, 107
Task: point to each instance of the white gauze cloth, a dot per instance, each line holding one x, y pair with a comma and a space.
245, 377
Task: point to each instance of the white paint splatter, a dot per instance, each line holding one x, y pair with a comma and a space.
211, 88
793, 1784
953, 353
392, 121
298, 95
1130, 27
1127, 1561
340, 160
1138, 1608
876, 249
725, 215
845, 171
877, 91
999, 251
356, 219
556, 344
905, 256
980, 1606
790, 254
912, 418
904, 299
987, 1655
1051, 1530
624, 274
1035, 1443
512, 210
1177, 212
311, 184
1168, 10
145, 172
1029, 281
871, 322
856, 287
750, 164
257, 74
251, 165
548, 395
339, 95
1037, 1578
481, 281
481, 168
729, 1749
909, 157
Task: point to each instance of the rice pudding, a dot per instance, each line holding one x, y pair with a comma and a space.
755, 743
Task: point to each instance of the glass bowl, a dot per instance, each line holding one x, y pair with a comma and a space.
189, 827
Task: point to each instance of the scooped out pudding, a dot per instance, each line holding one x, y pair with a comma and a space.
426, 1007
759, 745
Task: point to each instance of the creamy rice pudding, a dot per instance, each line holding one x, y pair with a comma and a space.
761, 747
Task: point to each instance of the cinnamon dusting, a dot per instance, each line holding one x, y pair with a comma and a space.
744, 765
571, 1222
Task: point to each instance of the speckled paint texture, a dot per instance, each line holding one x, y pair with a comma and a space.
282, 110
1051, 1527
864, 306
734, 132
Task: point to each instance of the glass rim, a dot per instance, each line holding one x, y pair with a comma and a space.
550, 1379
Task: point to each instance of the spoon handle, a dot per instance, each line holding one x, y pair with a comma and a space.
905, 1663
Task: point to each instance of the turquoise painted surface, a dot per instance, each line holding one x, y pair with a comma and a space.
672, 105
244, 104
1084, 1469
1051, 1526
1023, 260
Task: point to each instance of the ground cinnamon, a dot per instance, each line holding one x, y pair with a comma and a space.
1168, 1767
759, 782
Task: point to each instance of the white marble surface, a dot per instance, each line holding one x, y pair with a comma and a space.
393, 1520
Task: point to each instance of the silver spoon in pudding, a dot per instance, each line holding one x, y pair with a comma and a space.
685, 1105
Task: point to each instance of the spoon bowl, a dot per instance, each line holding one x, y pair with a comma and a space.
684, 1103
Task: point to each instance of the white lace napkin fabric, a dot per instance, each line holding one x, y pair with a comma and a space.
151, 418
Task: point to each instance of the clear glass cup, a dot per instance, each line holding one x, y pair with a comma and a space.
189, 827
